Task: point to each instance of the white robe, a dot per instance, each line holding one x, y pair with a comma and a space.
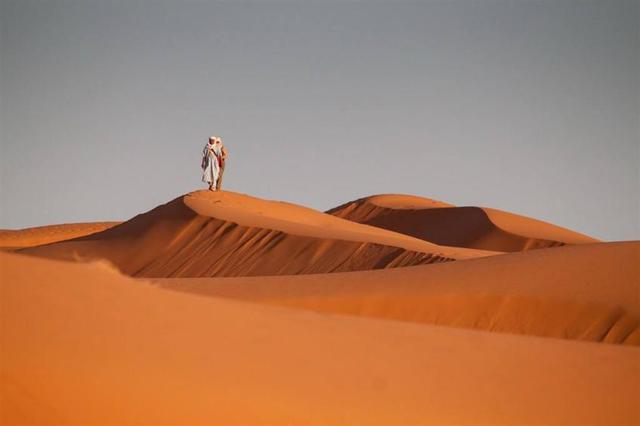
211, 169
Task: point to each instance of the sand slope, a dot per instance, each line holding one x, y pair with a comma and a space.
228, 234
585, 292
81, 344
29, 237
444, 224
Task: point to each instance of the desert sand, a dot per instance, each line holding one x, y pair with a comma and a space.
29, 237
222, 308
587, 292
445, 224
84, 345
206, 234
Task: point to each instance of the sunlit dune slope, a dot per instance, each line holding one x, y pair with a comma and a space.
586, 292
81, 344
444, 224
227, 234
29, 237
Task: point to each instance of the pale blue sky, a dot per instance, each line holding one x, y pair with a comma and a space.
523, 105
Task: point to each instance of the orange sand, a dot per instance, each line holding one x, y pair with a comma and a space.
29, 237
83, 345
208, 234
468, 335
588, 292
444, 224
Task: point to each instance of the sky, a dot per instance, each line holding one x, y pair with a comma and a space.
529, 106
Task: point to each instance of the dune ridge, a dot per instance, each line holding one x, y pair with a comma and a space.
11, 239
120, 351
206, 234
560, 292
445, 224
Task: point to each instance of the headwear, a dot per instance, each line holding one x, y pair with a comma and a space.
215, 139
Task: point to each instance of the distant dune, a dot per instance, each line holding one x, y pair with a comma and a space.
206, 234
29, 237
444, 224
83, 345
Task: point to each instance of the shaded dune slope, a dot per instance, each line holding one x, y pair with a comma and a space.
83, 345
587, 292
11, 239
444, 224
208, 234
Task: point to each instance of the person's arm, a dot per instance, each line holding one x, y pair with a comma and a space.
205, 153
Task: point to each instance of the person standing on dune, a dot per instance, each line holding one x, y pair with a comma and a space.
222, 160
211, 161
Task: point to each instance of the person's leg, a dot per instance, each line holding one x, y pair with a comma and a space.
214, 181
215, 175
220, 174
207, 175
211, 178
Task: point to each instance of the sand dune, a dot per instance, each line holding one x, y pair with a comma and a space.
13, 239
444, 224
489, 338
82, 344
586, 292
208, 234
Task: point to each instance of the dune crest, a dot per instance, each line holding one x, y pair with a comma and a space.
205, 234
445, 224
11, 239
